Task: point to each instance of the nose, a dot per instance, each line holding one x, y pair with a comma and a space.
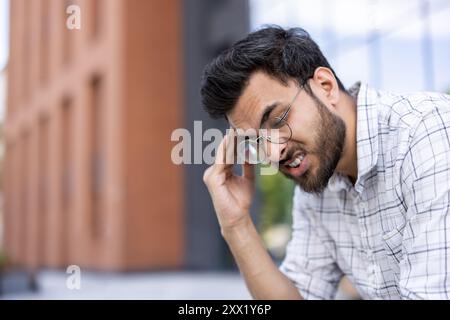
276, 152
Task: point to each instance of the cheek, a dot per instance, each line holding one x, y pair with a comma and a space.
304, 129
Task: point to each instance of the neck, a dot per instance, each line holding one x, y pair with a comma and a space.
348, 165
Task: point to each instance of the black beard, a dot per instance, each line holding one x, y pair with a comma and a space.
328, 147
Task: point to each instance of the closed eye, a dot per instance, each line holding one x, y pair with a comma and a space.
284, 115
280, 119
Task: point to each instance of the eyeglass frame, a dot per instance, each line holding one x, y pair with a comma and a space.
282, 118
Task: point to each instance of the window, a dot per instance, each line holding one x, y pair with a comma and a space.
43, 142
94, 17
95, 152
66, 154
44, 41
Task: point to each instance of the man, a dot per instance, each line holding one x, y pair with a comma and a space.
372, 170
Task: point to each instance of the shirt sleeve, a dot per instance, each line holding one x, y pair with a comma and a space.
308, 263
425, 263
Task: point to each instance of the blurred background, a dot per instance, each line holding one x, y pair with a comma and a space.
86, 118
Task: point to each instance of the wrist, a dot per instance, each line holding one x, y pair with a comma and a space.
238, 230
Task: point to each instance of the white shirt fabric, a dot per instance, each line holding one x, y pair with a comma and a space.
390, 232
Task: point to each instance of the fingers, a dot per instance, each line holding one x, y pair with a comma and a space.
248, 171
223, 162
226, 155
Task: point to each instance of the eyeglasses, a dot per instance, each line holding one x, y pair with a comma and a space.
275, 130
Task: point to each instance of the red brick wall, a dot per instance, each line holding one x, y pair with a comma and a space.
94, 186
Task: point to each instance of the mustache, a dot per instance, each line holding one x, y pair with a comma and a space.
291, 151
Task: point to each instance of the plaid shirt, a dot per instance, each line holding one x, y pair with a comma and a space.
390, 232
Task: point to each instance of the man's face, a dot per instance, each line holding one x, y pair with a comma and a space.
318, 134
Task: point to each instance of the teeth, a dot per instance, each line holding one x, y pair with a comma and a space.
296, 162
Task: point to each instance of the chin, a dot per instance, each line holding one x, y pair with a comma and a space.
309, 182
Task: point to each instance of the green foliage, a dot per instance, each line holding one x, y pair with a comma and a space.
276, 192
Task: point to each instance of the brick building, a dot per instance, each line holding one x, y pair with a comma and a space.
90, 112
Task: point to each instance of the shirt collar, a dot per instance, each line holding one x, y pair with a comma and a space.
366, 137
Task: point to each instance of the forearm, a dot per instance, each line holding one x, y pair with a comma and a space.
264, 280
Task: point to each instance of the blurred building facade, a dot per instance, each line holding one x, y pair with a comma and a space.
89, 180
86, 110
380, 42
3, 79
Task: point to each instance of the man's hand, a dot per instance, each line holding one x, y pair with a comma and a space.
232, 195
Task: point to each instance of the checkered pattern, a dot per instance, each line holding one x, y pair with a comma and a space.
390, 232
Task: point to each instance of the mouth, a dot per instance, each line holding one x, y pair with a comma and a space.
297, 165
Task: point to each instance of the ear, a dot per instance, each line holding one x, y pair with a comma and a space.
326, 81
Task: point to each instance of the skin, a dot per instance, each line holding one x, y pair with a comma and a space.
315, 119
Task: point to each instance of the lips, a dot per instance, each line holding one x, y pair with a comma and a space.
297, 165
295, 160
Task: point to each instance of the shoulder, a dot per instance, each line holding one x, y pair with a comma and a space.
411, 122
429, 138
408, 109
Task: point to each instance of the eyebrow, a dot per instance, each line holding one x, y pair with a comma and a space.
267, 110
266, 114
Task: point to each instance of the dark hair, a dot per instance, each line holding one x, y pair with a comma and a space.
282, 54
